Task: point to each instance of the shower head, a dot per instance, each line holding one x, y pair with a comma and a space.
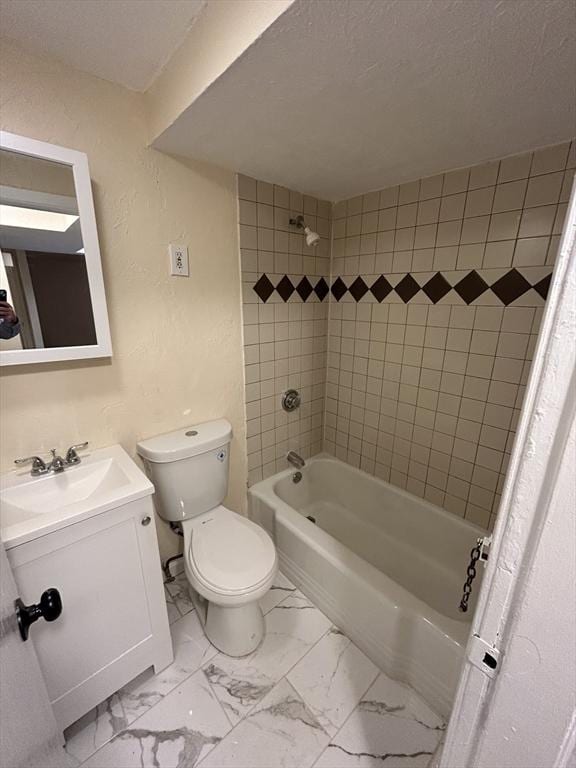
312, 238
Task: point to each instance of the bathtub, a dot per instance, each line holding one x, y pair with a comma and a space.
384, 565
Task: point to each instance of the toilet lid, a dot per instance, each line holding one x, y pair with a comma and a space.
229, 552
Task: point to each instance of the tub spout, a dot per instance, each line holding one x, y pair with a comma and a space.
296, 460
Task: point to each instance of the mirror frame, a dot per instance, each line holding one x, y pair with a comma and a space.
78, 161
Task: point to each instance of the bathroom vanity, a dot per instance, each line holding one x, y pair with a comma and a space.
90, 533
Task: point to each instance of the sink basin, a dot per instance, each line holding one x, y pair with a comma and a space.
34, 506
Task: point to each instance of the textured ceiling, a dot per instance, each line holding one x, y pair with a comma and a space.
342, 97
125, 41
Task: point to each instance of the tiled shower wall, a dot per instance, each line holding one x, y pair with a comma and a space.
285, 308
437, 292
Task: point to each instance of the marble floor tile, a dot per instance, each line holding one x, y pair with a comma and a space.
191, 649
292, 628
179, 594
391, 725
177, 733
94, 729
173, 612
280, 732
332, 678
280, 589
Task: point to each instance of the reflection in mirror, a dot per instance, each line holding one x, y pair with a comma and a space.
44, 290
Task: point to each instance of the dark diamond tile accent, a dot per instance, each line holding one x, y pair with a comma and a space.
380, 288
321, 289
358, 289
437, 287
304, 289
338, 288
471, 287
511, 286
407, 288
285, 288
543, 286
264, 288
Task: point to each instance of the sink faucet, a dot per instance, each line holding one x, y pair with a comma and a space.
57, 464
296, 460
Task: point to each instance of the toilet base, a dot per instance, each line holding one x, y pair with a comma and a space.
235, 631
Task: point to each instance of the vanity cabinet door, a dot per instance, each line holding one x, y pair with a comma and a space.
114, 618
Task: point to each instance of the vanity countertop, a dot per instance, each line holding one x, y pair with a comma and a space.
34, 506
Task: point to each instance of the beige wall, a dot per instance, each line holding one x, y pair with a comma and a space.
220, 35
177, 342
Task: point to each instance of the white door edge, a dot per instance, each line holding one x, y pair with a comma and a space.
547, 415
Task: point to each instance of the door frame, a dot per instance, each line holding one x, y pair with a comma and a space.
547, 415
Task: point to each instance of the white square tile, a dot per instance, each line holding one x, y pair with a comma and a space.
179, 594
550, 159
388, 197
483, 175
479, 202
180, 730
431, 187
406, 216
332, 678
281, 588
265, 192
498, 254
281, 732
425, 236
445, 258
513, 345
246, 187
456, 181
191, 649
515, 167
452, 207
448, 233
390, 720
409, 192
518, 319
428, 211
475, 230
509, 196
544, 190
470, 256
504, 226
95, 729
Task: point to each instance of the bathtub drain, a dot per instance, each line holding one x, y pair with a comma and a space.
312, 519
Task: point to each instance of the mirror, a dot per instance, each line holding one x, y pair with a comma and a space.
52, 304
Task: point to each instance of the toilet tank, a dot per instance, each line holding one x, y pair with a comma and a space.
189, 468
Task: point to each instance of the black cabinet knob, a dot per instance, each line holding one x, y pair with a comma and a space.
49, 608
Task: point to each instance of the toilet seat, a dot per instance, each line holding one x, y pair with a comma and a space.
227, 554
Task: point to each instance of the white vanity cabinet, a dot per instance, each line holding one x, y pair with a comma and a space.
114, 623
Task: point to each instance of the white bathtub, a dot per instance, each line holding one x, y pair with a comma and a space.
384, 565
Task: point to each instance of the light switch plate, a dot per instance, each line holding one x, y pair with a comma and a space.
178, 260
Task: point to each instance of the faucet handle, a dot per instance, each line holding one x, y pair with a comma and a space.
71, 455
38, 465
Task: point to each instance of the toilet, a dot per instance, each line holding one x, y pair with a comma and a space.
229, 561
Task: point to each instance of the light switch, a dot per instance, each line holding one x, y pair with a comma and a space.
178, 260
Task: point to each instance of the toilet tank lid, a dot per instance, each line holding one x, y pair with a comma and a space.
186, 442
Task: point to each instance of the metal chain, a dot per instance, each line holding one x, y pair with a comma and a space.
471, 575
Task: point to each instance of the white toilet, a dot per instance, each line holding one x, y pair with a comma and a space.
230, 562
